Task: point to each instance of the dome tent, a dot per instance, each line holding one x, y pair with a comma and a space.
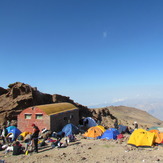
93, 133
16, 132
141, 138
110, 134
70, 129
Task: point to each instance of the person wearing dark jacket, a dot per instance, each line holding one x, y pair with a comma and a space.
17, 148
35, 136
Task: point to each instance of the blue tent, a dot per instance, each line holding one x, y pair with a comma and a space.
16, 132
10, 128
110, 134
70, 129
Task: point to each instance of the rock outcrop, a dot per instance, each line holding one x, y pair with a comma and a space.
19, 96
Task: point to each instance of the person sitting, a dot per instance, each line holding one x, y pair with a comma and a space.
17, 148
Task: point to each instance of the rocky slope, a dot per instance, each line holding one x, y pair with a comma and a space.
19, 96
125, 116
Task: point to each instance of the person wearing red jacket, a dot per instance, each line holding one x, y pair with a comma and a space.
35, 136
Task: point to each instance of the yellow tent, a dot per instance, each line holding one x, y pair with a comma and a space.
93, 132
24, 134
101, 127
141, 137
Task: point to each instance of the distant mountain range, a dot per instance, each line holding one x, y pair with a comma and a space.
152, 106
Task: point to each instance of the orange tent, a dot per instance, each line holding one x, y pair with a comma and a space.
93, 132
159, 136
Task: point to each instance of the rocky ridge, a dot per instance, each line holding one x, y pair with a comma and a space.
19, 96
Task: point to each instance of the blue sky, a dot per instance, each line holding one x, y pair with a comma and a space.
94, 51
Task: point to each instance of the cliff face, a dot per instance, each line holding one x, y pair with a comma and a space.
19, 96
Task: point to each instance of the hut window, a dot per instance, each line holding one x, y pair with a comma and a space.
27, 116
39, 116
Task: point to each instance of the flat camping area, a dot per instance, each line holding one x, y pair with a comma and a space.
90, 151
